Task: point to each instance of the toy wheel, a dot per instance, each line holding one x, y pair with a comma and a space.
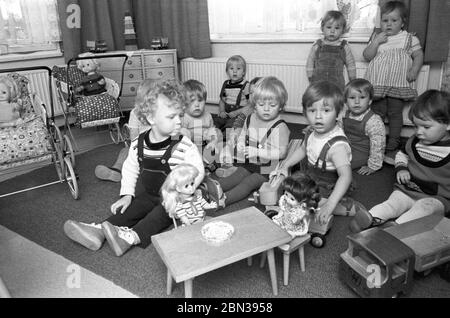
56, 135
71, 178
68, 150
114, 132
318, 240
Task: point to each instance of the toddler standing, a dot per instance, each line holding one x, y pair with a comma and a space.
395, 57
422, 168
328, 56
364, 129
234, 95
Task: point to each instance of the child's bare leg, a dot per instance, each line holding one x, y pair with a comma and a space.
112, 173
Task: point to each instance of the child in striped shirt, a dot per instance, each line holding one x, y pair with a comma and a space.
181, 199
422, 168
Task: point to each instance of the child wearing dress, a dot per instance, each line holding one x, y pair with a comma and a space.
136, 217
422, 168
135, 127
10, 108
262, 143
326, 150
234, 95
299, 200
328, 55
363, 128
395, 57
181, 199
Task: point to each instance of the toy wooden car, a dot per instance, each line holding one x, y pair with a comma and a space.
390, 256
318, 231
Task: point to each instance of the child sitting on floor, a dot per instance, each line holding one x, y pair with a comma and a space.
363, 128
151, 157
135, 127
326, 151
422, 168
262, 143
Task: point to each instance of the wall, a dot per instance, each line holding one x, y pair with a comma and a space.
446, 75
297, 51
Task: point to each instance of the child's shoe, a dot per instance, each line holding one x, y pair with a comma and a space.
120, 239
88, 235
215, 192
351, 206
109, 174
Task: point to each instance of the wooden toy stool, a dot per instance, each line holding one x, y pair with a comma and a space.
296, 244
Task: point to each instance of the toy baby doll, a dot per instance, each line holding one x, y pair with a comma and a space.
180, 198
9, 104
300, 198
93, 83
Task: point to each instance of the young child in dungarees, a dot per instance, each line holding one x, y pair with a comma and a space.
328, 55
363, 128
395, 57
135, 126
262, 143
422, 168
136, 217
234, 95
326, 150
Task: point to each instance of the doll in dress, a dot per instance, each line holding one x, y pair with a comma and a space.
10, 108
299, 200
181, 199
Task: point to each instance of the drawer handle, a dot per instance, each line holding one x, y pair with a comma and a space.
130, 62
159, 60
132, 88
131, 76
160, 73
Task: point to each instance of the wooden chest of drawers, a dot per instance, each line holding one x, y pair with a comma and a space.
142, 64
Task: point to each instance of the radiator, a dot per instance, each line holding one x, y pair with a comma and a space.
211, 72
38, 84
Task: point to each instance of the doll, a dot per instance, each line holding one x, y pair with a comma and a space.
10, 108
180, 198
92, 83
300, 198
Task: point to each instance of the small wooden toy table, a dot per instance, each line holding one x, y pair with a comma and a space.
187, 254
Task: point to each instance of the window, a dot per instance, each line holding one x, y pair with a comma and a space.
286, 19
28, 26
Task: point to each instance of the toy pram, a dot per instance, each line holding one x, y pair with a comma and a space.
36, 141
90, 111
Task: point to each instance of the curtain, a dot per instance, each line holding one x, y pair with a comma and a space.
429, 20
185, 23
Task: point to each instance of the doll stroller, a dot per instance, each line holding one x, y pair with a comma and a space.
37, 141
90, 111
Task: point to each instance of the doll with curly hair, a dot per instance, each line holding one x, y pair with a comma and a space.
10, 109
300, 198
181, 199
93, 82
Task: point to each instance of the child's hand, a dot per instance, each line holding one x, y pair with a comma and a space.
324, 213
223, 115
232, 114
411, 76
403, 176
211, 205
279, 172
365, 171
121, 205
380, 38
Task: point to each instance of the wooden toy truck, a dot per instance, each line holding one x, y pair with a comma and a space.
380, 262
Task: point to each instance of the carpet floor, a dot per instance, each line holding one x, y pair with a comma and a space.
39, 216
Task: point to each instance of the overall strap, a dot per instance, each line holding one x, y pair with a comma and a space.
367, 116
140, 148
239, 97
325, 148
263, 140
319, 47
222, 90
170, 149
